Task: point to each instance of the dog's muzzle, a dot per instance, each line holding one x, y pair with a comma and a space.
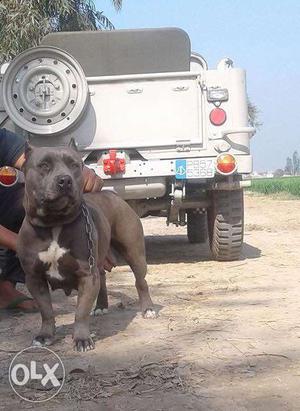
64, 183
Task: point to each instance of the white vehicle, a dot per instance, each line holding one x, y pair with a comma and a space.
168, 134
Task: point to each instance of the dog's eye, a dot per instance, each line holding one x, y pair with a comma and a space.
75, 165
44, 166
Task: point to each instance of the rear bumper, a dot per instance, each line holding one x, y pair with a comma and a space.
164, 168
150, 179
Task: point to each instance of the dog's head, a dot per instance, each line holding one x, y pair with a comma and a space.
53, 184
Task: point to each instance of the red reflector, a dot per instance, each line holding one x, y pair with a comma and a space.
217, 116
226, 163
113, 164
8, 176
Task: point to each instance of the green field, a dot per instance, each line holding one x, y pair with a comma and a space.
289, 185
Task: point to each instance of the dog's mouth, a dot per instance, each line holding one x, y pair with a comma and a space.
48, 211
61, 204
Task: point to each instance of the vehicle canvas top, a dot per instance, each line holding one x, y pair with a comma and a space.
117, 52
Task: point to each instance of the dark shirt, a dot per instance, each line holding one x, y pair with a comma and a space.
11, 147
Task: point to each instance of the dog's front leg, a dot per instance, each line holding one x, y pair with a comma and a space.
88, 289
39, 290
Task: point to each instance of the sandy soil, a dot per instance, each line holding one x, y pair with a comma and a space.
227, 336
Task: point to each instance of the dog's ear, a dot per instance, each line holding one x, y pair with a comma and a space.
73, 144
28, 150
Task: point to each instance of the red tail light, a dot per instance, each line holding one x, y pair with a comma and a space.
226, 164
112, 164
217, 116
8, 176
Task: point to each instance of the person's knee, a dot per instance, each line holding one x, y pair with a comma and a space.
12, 210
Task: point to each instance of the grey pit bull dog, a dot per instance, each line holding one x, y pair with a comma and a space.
65, 231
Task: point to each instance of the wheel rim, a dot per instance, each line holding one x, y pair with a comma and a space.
45, 90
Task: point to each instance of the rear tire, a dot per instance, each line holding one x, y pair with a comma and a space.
226, 224
196, 227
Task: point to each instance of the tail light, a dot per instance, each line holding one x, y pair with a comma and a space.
217, 116
8, 176
226, 164
114, 163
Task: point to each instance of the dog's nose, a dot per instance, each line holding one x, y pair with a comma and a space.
64, 182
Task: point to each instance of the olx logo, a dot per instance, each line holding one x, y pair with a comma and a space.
36, 374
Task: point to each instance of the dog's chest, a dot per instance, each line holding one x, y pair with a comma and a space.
53, 256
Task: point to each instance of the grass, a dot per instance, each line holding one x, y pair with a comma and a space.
274, 186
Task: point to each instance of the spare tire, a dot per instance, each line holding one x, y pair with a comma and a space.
45, 90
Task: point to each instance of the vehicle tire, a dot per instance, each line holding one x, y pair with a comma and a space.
226, 224
196, 227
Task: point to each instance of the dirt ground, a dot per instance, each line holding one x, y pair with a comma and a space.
227, 336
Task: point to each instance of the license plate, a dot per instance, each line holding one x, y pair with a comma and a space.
194, 168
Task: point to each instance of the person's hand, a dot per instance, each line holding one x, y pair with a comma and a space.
92, 182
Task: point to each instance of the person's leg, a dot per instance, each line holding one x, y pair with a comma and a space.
2, 260
12, 211
11, 217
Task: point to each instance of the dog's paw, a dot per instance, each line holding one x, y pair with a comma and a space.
99, 311
149, 314
42, 341
83, 345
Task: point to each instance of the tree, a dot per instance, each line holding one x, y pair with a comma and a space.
23, 23
253, 114
278, 173
296, 163
289, 166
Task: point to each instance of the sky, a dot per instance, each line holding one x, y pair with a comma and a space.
262, 37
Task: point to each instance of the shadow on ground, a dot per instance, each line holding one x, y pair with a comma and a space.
249, 251
167, 249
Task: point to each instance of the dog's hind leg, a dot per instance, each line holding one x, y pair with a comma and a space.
138, 265
102, 300
131, 245
136, 259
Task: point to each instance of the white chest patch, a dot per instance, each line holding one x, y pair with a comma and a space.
53, 254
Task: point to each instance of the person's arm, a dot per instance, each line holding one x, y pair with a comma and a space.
8, 239
92, 182
20, 161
